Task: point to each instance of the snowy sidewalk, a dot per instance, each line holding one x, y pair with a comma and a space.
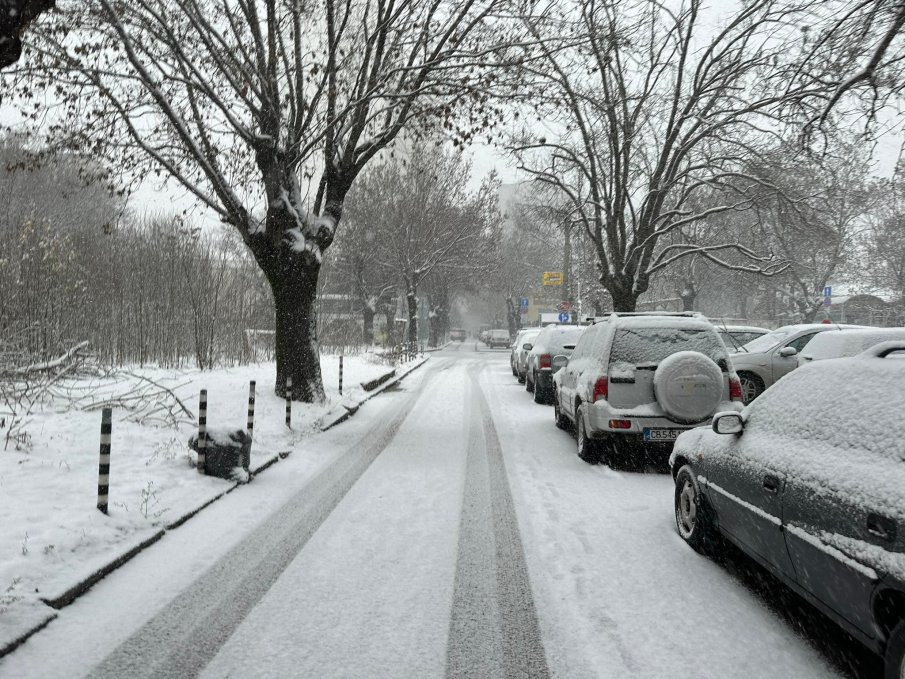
54, 543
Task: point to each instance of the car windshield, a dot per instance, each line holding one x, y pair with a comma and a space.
648, 346
768, 341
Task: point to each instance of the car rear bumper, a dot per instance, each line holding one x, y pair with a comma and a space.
601, 413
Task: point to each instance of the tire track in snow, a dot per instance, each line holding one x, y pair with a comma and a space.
183, 637
494, 630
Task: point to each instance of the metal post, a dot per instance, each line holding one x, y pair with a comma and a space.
251, 409
340, 375
289, 402
103, 468
202, 431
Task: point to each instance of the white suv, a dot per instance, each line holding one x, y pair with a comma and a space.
636, 381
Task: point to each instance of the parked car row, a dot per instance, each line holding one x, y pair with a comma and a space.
808, 479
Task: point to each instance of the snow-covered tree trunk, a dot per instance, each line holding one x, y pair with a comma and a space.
411, 302
367, 328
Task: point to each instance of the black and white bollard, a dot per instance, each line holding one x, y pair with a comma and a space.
251, 410
103, 468
289, 402
202, 430
340, 375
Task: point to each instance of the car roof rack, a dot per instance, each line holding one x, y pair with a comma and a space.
620, 314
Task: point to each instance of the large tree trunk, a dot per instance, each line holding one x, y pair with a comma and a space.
367, 317
293, 279
624, 298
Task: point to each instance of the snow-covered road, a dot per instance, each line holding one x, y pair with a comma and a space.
447, 530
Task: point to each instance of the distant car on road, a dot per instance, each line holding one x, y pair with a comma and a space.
763, 361
635, 382
498, 338
849, 343
734, 336
552, 341
458, 335
809, 481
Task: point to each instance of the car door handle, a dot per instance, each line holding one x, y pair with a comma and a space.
881, 527
771, 484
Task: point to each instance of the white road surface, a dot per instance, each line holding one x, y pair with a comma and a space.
395, 547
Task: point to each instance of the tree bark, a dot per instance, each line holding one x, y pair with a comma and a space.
367, 317
411, 301
624, 298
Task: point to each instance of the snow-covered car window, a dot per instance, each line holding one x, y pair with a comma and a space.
649, 346
767, 342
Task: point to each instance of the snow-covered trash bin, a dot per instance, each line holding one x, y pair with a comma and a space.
227, 454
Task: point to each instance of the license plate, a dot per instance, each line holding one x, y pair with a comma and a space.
662, 434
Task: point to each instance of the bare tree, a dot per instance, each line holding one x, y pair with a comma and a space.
265, 111
649, 105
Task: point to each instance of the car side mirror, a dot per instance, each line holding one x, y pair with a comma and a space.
560, 361
788, 352
527, 346
728, 423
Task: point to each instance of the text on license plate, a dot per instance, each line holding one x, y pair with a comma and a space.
662, 434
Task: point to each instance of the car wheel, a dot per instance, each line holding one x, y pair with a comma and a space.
561, 420
540, 394
752, 386
693, 518
529, 385
588, 448
895, 653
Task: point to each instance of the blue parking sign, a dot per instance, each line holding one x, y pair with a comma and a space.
565, 317
828, 291
523, 302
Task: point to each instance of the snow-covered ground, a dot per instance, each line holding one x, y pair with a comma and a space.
52, 535
370, 593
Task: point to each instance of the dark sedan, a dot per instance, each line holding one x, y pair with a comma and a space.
809, 481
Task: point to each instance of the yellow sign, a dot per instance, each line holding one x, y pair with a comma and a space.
553, 277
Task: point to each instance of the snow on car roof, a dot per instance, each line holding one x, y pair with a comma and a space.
684, 322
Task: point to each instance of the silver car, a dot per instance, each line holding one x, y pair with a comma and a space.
763, 361
635, 382
523, 344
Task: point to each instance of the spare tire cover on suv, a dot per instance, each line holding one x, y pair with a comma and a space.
688, 386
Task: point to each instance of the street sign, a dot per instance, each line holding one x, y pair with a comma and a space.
523, 303
827, 302
564, 306
565, 317
553, 277
828, 291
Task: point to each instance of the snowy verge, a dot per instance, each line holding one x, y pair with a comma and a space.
55, 545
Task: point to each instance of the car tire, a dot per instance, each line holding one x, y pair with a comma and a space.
588, 448
540, 394
894, 658
558, 416
752, 386
529, 385
694, 519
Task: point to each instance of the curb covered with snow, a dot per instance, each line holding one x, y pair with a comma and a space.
40, 612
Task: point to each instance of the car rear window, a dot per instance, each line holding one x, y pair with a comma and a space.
648, 346
559, 338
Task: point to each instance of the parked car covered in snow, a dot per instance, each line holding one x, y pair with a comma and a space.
524, 342
638, 381
809, 480
552, 341
763, 361
458, 335
848, 343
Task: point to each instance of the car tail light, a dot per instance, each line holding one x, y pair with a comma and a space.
735, 389
620, 424
546, 361
601, 389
